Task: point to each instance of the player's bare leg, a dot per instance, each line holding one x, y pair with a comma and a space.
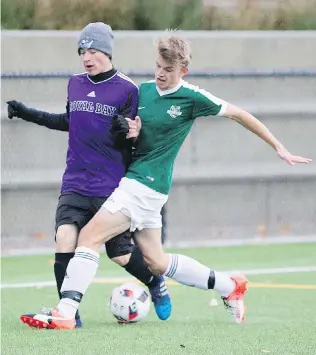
190, 272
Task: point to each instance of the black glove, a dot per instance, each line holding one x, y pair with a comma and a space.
119, 125
17, 109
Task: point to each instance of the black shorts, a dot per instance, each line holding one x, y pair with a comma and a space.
78, 209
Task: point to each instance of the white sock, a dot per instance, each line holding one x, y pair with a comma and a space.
80, 272
224, 285
190, 272
68, 307
187, 271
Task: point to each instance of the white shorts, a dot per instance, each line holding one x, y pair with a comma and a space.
138, 202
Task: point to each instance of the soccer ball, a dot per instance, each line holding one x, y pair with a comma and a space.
129, 303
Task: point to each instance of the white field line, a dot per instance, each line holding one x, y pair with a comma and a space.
184, 244
272, 240
118, 280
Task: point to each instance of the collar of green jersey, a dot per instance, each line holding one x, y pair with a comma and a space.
169, 91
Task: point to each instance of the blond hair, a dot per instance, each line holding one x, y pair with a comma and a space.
174, 49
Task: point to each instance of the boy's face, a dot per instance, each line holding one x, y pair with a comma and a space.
94, 62
168, 75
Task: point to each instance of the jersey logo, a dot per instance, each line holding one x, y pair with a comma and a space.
174, 111
141, 107
91, 94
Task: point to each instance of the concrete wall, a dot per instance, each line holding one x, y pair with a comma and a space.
42, 51
227, 183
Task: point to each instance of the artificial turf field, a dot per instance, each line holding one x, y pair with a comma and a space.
281, 317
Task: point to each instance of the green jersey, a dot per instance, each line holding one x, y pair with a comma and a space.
167, 117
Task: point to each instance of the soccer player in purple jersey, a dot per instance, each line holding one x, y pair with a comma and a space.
97, 157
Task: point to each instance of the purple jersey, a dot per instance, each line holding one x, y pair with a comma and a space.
95, 165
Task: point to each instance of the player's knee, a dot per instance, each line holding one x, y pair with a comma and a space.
66, 239
122, 260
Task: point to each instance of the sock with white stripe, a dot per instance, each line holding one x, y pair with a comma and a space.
190, 272
80, 272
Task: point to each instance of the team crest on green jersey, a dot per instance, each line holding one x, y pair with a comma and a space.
174, 111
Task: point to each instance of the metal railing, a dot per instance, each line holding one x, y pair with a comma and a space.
194, 73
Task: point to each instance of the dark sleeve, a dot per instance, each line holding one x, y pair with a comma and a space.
129, 109
59, 122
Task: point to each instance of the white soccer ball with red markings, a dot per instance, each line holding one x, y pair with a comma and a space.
129, 303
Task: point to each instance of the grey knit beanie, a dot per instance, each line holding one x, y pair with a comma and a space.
97, 35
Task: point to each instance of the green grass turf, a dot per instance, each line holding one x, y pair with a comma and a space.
279, 321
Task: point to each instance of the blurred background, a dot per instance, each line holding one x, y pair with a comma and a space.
157, 15
228, 185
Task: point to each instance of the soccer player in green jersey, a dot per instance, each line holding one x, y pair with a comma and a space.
168, 107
